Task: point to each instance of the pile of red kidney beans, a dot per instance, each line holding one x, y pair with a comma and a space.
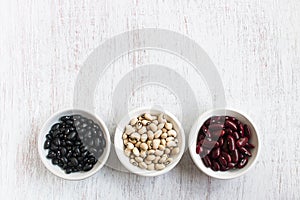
224, 143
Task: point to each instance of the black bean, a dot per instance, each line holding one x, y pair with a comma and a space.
78, 143
85, 153
92, 160
56, 142
75, 170
97, 142
69, 143
64, 160
74, 161
93, 150
87, 167
55, 133
65, 118
63, 143
82, 131
79, 167
69, 163
72, 135
100, 152
76, 117
69, 122
96, 126
83, 120
69, 154
55, 161
103, 143
49, 136
63, 151
80, 158
90, 142
100, 134
77, 150
84, 125
83, 148
53, 147
68, 170
51, 154
47, 144
55, 126
77, 124
67, 131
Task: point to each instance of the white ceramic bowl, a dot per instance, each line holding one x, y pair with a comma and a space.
119, 146
234, 173
56, 169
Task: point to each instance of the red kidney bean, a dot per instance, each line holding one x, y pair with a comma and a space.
235, 135
245, 151
205, 152
217, 145
225, 146
235, 156
204, 130
231, 143
249, 145
230, 124
216, 118
221, 141
208, 134
230, 118
206, 161
247, 131
208, 144
214, 127
241, 130
207, 122
215, 166
200, 142
228, 131
215, 153
222, 161
200, 137
223, 168
242, 163
231, 165
198, 149
217, 133
241, 142
241, 156
226, 156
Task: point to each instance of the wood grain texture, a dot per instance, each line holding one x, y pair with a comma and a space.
254, 44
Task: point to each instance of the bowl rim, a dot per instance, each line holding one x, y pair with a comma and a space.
125, 160
194, 133
43, 132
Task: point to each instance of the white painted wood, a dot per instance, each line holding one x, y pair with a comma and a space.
255, 46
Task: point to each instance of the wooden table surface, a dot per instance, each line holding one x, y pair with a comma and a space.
254, 45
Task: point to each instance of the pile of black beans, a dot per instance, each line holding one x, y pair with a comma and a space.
75, 143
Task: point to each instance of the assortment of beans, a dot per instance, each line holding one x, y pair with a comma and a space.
224, 143
75, 143
150, 141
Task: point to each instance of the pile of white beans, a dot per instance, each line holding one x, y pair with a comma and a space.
150, 141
